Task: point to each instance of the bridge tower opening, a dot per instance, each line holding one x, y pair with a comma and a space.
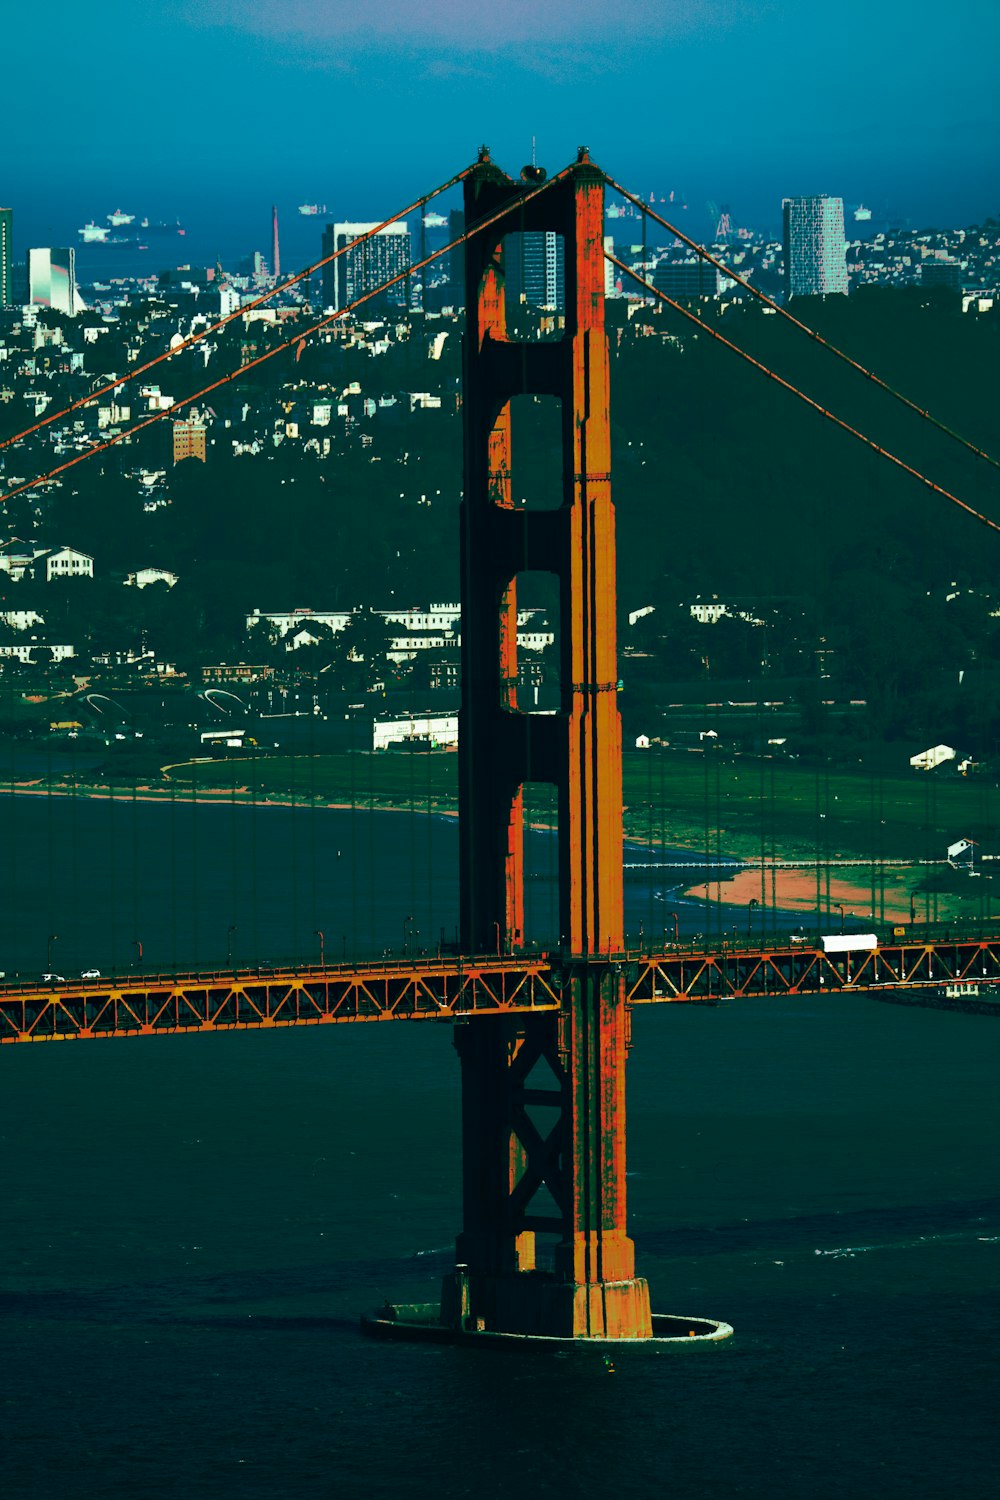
543, 1097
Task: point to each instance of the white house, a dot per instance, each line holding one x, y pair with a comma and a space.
66, 562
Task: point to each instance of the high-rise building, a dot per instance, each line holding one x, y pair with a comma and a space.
52, 280
815, 247
6, 255
535, 270
365, 266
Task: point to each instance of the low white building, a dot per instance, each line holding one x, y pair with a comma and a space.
21, 619
145, 576
23, 652
292, 620
18, 558
437, 617
927, 760
440, 729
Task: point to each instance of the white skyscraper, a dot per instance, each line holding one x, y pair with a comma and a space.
52, 280
365, 266
815, 247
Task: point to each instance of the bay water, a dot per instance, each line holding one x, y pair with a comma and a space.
191, 1225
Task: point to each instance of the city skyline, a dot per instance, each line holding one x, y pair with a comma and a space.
745, 104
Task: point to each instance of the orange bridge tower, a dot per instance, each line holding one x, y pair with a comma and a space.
543, 1097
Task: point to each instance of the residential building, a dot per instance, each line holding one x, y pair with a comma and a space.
365, 266
189, 441
66, 562
815, 247
16, 557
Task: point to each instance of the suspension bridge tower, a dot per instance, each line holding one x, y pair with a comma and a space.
543, 1097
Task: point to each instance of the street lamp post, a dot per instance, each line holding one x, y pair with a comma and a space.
750, 906
137, 944
840, 907
407, 927
53, 937
322, 961
229, 945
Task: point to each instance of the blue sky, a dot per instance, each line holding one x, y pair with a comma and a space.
213, 109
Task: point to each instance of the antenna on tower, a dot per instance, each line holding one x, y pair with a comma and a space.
534, 158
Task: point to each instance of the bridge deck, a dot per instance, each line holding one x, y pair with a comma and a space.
455, 988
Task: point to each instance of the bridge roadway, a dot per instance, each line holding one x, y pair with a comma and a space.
453, 988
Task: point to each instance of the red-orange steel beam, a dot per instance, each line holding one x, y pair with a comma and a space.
424, 989
472, 989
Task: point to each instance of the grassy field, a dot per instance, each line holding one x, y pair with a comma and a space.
678, 798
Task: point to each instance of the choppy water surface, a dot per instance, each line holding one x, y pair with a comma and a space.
191, 1226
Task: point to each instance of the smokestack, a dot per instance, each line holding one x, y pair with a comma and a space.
275, 252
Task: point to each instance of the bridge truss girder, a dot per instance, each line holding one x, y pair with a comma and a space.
453, 989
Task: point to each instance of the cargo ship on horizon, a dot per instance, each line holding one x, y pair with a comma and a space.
101, 234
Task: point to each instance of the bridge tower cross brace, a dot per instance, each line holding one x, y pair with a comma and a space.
543, 1097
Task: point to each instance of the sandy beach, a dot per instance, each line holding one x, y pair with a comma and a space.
795, 890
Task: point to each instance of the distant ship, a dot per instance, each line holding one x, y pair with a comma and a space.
310, 210
99, 234
862, 214
148, 228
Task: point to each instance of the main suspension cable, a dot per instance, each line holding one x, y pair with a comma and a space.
797, 323
299, 337
245, 307
795, 391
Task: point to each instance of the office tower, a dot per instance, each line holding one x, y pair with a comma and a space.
365, 266
610, 271
6, 253
535, 270
52, 280
815, 247
692, 277
275, 250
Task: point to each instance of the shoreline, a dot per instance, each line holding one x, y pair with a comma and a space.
790, 890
